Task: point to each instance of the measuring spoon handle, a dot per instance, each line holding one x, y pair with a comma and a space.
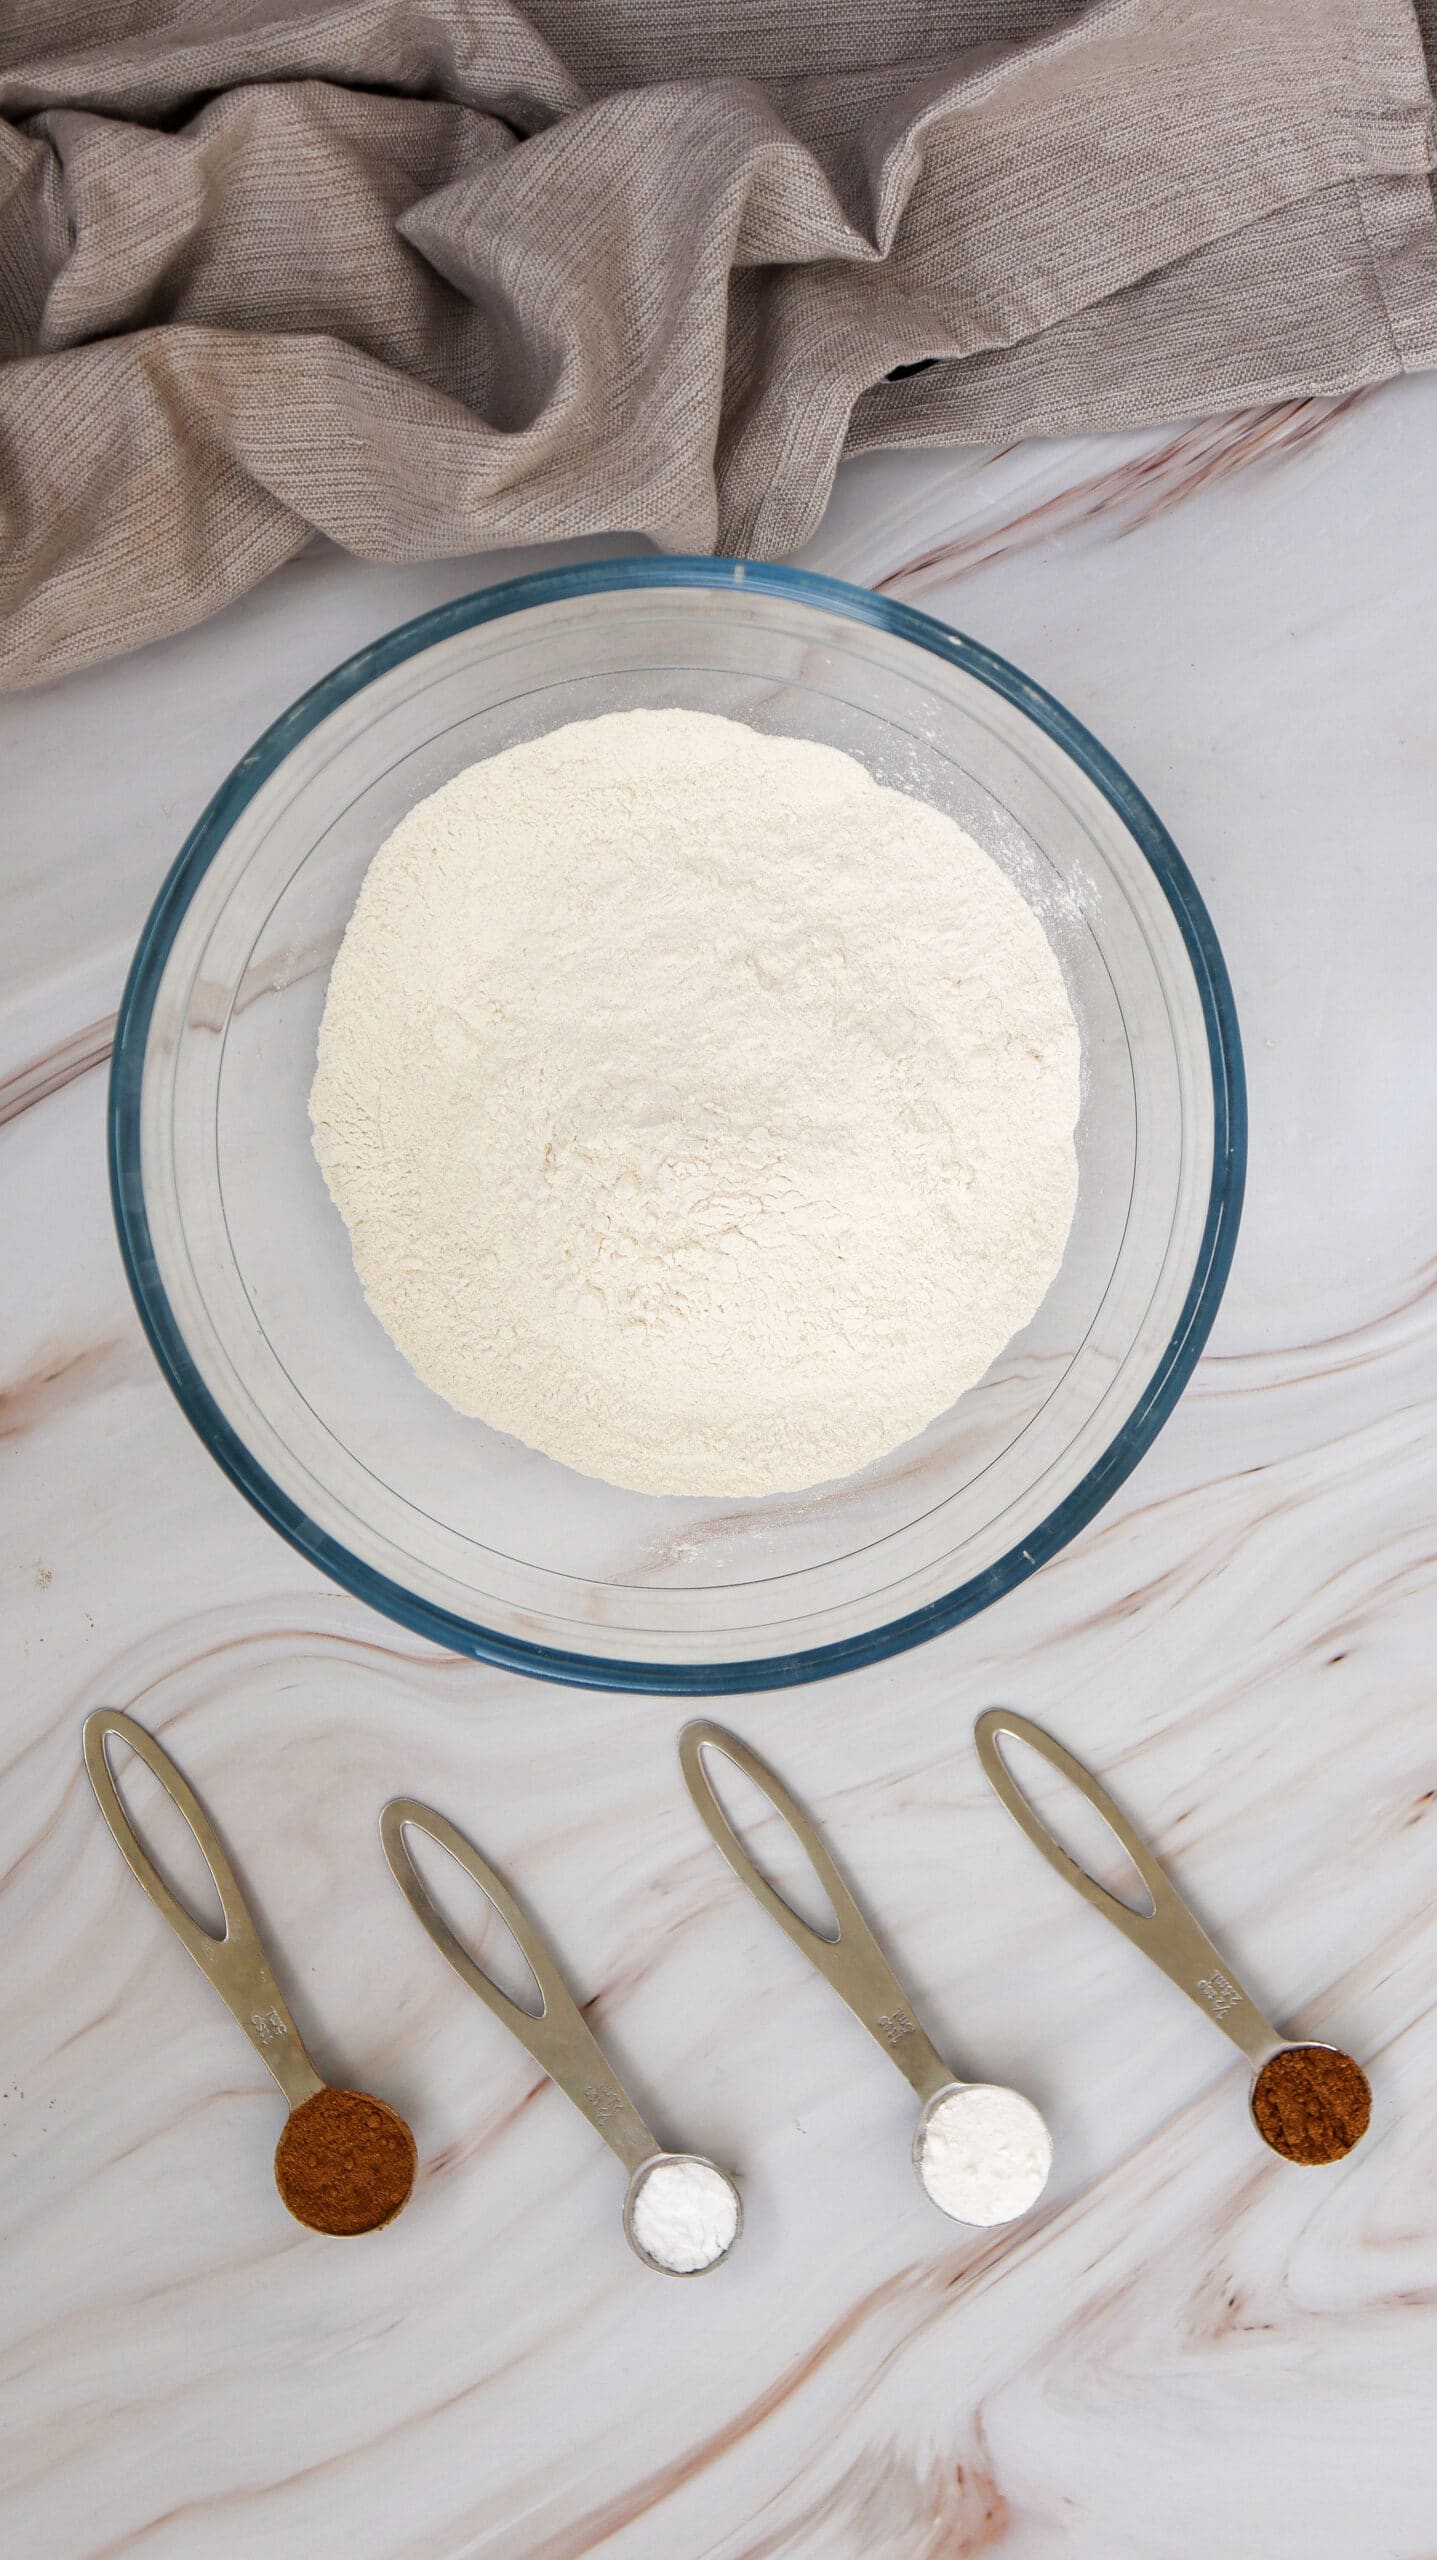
236, 1963
852, 1961
559, 2038
1168, 1934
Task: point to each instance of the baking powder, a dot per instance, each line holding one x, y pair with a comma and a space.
983, 2154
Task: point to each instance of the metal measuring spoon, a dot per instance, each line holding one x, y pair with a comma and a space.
682, 2214
965, 2124
345, 2161
1284, 2116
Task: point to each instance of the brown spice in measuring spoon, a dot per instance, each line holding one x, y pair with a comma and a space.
344, 2162
1311, 2103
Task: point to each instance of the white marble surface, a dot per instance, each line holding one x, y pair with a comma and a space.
1191, 2348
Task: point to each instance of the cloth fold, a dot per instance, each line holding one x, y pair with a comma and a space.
433, 276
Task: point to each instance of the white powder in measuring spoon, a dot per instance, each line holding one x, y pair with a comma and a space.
983, 2153
683, 2213
701, 1112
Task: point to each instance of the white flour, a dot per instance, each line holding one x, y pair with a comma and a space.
685, 2214
984, 2154
701, 1112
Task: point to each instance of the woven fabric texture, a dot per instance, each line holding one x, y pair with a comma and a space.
431, 276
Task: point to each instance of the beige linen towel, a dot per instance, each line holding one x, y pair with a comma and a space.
435, 275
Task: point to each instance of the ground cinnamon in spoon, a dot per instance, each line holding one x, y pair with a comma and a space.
344, 2162
1311, 2103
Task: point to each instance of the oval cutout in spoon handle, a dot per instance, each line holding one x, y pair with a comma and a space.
1168, 1934
852, 1962
236, 1963
560, 2038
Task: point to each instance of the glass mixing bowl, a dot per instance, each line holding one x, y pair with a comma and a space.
241, 1267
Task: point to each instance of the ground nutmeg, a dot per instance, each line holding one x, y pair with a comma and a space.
344, 2162
1311, 2103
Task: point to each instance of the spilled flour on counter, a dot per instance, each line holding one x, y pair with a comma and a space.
701, 1112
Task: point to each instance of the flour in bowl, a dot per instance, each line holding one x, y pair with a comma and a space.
701, 1111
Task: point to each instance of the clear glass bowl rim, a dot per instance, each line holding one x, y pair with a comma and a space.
1171, 1373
